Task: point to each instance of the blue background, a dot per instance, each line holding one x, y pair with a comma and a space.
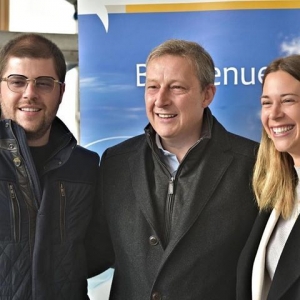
112, 106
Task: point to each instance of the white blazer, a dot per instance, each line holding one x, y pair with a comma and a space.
260, 279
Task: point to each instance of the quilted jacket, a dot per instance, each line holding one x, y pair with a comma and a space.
43, 230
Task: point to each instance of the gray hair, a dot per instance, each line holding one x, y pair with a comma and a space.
196, 54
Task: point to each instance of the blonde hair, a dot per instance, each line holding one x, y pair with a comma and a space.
274, 177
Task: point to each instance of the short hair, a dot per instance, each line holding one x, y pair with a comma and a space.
32, 45
196, 54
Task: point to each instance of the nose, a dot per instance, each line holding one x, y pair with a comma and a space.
162, 98
275, 111
30, 89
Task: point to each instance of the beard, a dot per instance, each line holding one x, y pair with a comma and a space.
38, 134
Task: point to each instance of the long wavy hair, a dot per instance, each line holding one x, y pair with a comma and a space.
275, 178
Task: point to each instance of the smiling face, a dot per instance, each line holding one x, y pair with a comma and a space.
280, 113
32, 110
175, 100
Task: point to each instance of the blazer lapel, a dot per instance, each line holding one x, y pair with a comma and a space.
140, 184
258, 273
287, 271
245, 264
209, 174
192, 211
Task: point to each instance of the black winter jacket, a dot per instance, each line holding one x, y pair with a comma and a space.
42, 231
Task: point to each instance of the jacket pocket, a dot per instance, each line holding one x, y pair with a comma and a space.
62, 217
15, 213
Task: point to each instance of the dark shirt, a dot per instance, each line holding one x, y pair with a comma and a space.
40, 155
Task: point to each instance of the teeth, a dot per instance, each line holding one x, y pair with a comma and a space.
166, 116
29, 109
282, 129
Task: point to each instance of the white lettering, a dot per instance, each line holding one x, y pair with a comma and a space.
261, 74
252, 77
217, 75
225, 76
235, 72
140, 75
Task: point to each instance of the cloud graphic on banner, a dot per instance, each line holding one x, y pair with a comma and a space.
291, 47
89, 82
98, 7
123, 137
95, 84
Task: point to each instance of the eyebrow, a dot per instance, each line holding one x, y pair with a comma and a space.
282, 95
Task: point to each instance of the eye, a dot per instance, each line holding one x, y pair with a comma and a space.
152, 87
266, 103
288, 100
265, 100
17, 81
177, 87
44, 82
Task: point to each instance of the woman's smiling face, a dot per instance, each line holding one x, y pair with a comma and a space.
280, 114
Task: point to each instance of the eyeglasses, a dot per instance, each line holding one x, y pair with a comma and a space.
19, 83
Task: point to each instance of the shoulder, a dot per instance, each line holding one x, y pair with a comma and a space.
131, 145
87, 155
233, 142
243, 145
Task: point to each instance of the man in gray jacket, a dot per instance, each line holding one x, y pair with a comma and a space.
47, 182
177, 201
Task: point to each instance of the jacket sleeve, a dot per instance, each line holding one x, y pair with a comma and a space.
99, 249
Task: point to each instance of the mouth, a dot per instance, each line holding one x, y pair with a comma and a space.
29, 109
282, 129
166, 116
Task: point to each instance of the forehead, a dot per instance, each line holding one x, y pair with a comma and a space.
30, 67
170, 64
280, 80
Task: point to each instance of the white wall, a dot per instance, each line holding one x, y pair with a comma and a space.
48, 16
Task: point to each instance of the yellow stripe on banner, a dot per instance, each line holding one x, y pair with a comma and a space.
233, 5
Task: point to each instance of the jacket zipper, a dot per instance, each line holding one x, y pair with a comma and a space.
33, 180
63, 202
170, 196
169, 210
15, 213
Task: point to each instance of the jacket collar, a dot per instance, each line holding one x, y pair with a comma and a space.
287, 271
245, 264
200, 160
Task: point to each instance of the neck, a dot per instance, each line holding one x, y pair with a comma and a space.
180, 150
37, 142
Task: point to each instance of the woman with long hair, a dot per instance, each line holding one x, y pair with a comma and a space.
269, 266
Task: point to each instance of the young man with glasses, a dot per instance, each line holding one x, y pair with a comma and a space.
47, 181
